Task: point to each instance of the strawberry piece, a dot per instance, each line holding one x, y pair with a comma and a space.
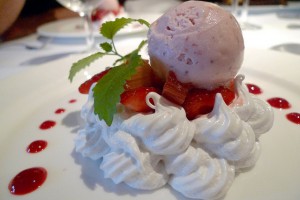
144, 77
136, 99
228, 93
197, 102
201, 101
174, 90
99, 13
84, 88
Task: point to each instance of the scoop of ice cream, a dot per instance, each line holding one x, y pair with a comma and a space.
200, 41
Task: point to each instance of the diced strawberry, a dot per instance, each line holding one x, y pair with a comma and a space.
144, 77
84, 88
197, 102
227, 93
136, 99
174, 90
201, 101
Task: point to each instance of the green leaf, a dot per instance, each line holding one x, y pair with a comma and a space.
141, 45
124, 58
108, 90
110, 28
143, 22
81, 64
106, 46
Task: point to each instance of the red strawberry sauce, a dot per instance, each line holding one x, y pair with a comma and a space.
47, 124
278, 102
31, 179
60, 110
36, 146
254, 89
72, 101
294, 117
27, 181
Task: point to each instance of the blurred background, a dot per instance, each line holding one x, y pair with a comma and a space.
19, 18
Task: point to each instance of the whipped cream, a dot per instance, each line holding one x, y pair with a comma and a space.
198, 158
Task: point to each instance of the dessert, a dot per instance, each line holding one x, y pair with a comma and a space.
186, 119
108, 10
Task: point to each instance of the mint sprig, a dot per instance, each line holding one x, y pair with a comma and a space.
109, 29
81, 64
108, 89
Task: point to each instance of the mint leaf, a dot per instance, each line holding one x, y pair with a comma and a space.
81, 64
106, 46
124, 58
108, 90
110, 28
143, 22
141, 45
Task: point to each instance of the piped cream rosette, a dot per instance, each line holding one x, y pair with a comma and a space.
197, 158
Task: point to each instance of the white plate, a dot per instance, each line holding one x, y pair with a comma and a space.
30, 98
74, 28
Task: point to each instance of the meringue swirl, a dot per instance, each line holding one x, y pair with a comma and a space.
196, 174
224, 134
127, 163
197, 158
166, 131
257, 113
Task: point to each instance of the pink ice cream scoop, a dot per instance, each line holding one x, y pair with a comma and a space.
200, 41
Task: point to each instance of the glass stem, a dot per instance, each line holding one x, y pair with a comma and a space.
88, 26
244, 15
234, 7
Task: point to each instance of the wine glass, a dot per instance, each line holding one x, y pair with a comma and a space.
84, 8
242, 17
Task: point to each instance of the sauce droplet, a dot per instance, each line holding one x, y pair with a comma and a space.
278, 102
60, 110
37, 146
294, 117
27, 180
72, 101
47, 124
253, 89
